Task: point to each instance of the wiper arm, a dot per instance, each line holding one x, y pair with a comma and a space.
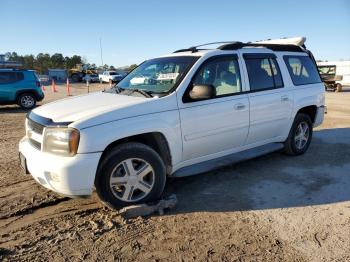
117, 89
142, 92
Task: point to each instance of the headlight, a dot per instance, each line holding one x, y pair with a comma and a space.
61, 141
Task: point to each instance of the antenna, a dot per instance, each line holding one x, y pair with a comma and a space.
101, 51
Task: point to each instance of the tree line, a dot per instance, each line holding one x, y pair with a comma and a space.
43, 61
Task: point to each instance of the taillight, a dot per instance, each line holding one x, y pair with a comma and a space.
37, 83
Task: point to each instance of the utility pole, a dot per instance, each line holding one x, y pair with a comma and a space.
101, 51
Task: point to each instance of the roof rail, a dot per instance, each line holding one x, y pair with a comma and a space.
194, 49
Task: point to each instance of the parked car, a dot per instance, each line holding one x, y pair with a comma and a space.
20, 87
335, 74
93, 78
187, 113
114, 76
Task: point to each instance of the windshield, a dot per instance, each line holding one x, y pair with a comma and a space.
157, 75
327, 70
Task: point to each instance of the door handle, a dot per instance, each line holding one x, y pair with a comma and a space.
284, 98
239, 106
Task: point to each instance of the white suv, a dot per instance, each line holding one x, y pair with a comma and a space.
176, 115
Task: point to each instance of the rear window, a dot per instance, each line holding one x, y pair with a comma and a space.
302, 70
10, 77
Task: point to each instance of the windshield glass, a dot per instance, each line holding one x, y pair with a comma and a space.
157, 75
326, 70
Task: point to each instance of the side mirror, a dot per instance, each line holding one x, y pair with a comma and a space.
202, 92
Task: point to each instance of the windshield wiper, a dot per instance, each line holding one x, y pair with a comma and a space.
117, 89
142, 92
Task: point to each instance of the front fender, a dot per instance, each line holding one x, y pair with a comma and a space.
97, 138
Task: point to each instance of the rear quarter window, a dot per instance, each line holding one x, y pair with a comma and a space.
302, 70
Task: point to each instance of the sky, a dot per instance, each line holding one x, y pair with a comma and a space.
132, 31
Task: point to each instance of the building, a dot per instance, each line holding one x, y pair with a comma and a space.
58, 75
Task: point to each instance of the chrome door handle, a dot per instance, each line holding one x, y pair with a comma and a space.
284, 98
239, 106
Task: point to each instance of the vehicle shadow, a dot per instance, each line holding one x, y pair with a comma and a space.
320, 176
13, 109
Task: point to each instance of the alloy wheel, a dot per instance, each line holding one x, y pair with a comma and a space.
132, 180
302, 135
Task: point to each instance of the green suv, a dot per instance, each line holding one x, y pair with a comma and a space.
20, 87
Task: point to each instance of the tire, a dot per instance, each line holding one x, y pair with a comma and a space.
338, 88
26, 100
293, 146
75, 78
119, 174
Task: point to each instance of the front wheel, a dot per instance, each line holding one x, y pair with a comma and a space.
131, 173
300, 135
27, 101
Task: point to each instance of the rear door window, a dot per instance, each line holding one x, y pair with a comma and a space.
10, 77
302, 70
263, 72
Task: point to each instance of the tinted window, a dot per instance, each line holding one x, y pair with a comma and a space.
10, 77
263, 73
222, 73
276, 73
159, 75
302, 70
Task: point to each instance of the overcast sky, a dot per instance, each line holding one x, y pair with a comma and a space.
132, 31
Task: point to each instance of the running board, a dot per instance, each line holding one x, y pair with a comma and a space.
227, 160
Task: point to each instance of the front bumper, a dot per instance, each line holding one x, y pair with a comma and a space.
71, 176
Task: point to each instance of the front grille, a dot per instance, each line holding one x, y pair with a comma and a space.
36, 127
35, 144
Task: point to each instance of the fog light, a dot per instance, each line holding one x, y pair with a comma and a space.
52, 176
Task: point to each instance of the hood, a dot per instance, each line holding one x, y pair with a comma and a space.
79, 107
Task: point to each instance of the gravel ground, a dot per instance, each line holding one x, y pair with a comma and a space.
274, 208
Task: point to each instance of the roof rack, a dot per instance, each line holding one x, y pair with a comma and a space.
11, 68
295, 44
274, 47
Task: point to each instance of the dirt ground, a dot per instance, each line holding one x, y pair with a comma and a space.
274, 208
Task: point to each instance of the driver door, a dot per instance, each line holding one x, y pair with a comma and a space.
219, 124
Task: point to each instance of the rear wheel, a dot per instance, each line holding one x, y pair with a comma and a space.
338, 88
27, 101
300, 135
131, 173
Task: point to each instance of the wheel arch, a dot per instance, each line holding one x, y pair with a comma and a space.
27, 91
156, 140
310, 110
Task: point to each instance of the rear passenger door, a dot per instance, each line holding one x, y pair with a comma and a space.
9, 83
218, 124
271, 103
